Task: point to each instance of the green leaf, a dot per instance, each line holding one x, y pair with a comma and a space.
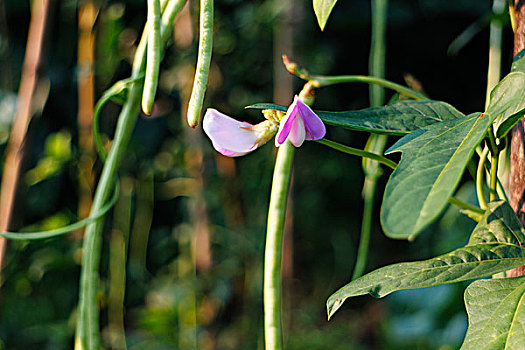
506, 126
496, 310
397, 119
433, 162
322, 9
518, 63
495, 246
508, 98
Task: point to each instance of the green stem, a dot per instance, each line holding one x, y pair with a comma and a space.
480, 174
273, 251
372, 170
376, 61
495, 44
321, 81
494, 159
369, 191
87, 323
88, 332
29, 236
358, 152
110, 93
499, 185
376, 143
173, 7
493, 77
494, 149
493, 177
318, 81
460, 204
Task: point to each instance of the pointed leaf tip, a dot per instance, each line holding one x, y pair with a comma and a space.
322, 9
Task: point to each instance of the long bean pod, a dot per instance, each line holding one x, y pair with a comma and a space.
152, 57
203, 63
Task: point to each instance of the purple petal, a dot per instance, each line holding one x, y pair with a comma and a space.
229, 136
297, 133
315, 128
286, 124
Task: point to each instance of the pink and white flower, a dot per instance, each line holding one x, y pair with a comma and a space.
233, 138
299, 124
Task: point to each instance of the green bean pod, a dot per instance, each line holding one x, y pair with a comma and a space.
203, 63
152, 57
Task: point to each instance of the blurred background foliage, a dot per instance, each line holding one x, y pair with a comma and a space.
188, 229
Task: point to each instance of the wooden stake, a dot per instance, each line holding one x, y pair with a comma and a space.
15, 146
517, 144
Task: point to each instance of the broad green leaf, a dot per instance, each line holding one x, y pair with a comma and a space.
495, 246
397, 119
496, 311
432, 164
508, 98
322, 9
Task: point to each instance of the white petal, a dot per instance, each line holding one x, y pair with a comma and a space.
229, 136
298, 132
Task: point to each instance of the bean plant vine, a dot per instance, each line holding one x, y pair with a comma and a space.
435, 154
439, 146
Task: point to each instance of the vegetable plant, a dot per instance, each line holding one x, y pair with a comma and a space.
424, 146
